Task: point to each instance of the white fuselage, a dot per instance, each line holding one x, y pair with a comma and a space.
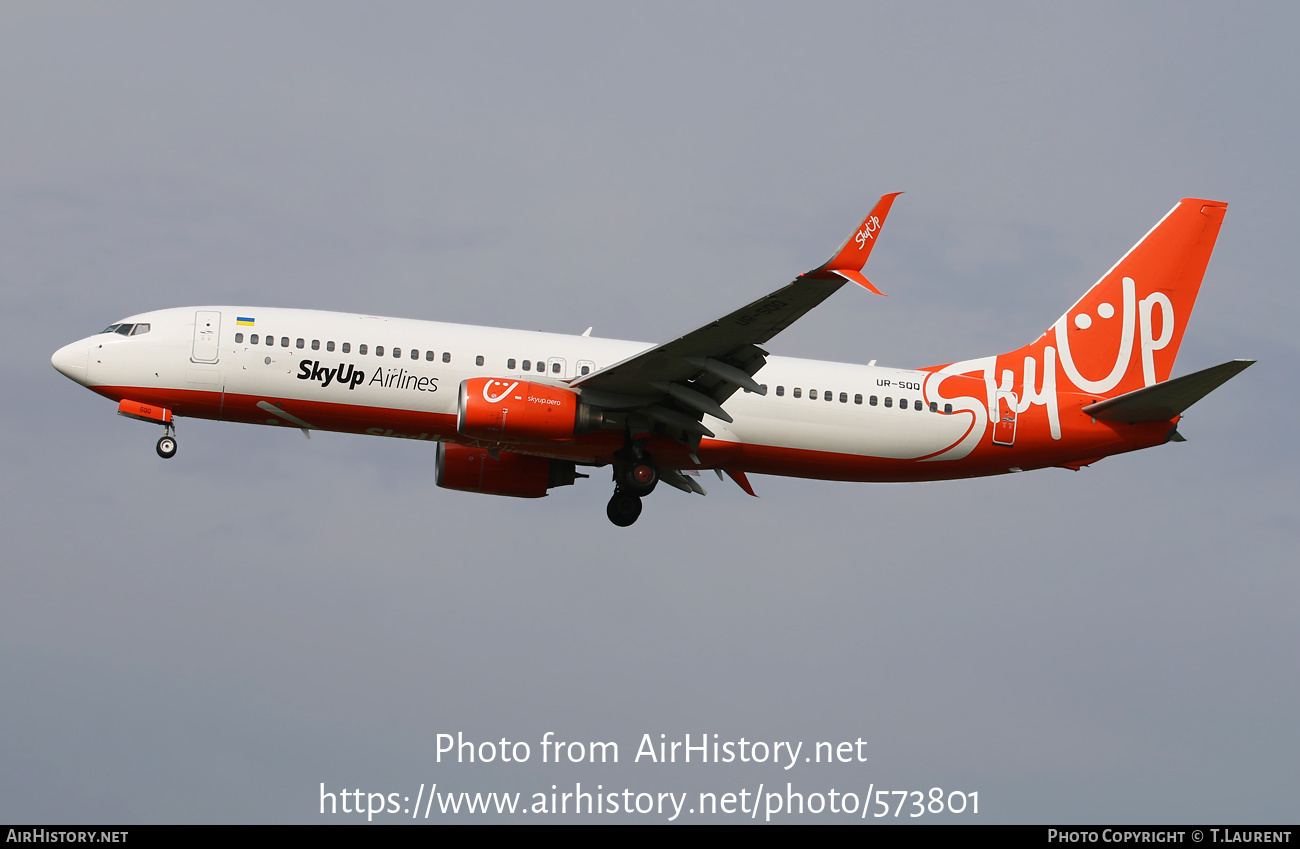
286, 356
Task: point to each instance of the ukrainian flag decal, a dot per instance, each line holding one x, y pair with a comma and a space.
243, 322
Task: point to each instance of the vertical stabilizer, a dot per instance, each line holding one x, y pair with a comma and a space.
1124, 333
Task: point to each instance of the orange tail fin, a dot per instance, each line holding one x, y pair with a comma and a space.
1124, 333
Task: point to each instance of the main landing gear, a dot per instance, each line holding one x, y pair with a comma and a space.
632, 482
623, 509
166, 447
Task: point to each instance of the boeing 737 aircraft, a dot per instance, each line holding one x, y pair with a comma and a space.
516, 412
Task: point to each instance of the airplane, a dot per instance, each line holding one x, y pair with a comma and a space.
518, 413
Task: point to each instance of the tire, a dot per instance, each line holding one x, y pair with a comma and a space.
166, 447
640, 478
623, 509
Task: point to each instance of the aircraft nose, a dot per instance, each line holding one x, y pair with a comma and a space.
70, 360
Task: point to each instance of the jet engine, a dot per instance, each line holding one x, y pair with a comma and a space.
519, 475
520, 411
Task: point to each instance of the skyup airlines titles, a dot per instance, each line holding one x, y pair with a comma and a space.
345, 374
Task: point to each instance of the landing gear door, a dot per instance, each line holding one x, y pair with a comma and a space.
207, 330
1004, 419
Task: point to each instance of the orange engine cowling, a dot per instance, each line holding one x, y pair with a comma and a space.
518, 475
498, 410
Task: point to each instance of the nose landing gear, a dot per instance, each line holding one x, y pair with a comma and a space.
166, 446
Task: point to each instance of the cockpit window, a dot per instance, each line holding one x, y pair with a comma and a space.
126, 329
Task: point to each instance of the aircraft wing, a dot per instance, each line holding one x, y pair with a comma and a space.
677, 382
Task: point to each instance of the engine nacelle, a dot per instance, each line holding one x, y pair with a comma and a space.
500, 410
518, 475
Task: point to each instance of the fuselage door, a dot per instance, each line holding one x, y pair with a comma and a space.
207, 329
1004, 419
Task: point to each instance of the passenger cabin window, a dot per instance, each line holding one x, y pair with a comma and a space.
284, 341
329, 346
947, 409
301, 343
415, 355
889, 402
872, 400
270, 340
315, 344
446, 357
916, 405
798, 393
528, 365
361, 349
510, 363
830, 396
934, 406
857, 399
253, 339
555, 368
478, 361
428, 355
812, 394
397, 353
780, 391
844, 397
347, 347
239, 337
379, 350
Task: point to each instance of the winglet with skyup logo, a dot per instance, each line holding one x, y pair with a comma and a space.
852, 256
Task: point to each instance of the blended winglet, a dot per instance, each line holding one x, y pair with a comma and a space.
853, 254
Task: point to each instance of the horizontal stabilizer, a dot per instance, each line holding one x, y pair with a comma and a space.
1163, 401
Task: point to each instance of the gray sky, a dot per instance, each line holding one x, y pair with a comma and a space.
211, 638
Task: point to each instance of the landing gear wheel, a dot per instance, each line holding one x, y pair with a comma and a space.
640, 478
623, 509
167, 447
